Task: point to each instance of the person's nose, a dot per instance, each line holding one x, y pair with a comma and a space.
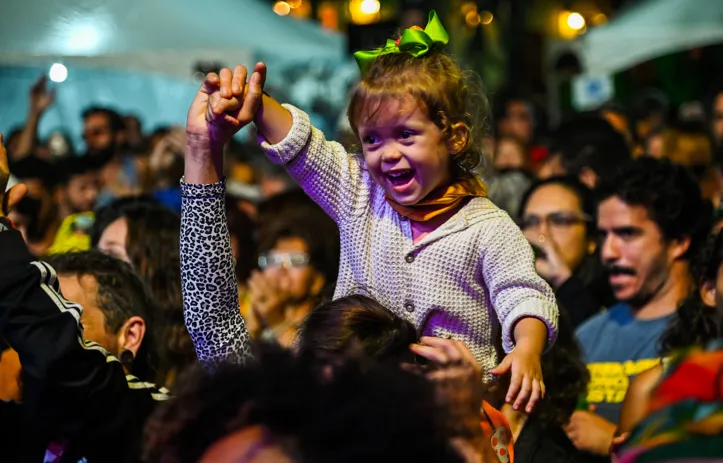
543, 228
391, 154
610, 251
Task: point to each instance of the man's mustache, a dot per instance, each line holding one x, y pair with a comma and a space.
618, 270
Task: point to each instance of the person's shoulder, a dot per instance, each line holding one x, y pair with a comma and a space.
146, 395
593, 323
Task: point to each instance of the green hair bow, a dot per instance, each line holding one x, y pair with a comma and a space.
415, 41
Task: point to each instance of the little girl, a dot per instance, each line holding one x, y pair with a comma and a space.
417, 230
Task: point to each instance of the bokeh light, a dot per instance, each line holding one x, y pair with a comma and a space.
576, 21
486, 17
58, 73
282, 8
370, 6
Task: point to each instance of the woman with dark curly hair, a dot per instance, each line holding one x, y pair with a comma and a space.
286, 409
696, 323
350, 331
146, 235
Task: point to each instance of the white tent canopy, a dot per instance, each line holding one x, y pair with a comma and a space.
139, 56
649, 30
167, 36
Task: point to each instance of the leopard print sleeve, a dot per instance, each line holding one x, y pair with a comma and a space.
210, 291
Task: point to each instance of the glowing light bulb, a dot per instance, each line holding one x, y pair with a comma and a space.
472, 19
575, 21
282, 8
468, 7
58, 73
370, 6
486, 17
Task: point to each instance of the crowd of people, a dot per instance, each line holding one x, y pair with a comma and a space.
440, 292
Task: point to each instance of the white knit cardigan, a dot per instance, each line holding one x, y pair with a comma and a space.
463, 281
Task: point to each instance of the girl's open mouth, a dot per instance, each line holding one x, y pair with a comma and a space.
400, 179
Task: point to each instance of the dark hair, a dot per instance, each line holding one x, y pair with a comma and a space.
114, 119
111, 212
447, 94
566, 377
352, 412
242, 228
121, 295
357, 324
11, 136
670, 195
32, 167
296, 215
589, 141
579, 189
153, 249
76, 165
695, 323
292, 202
650, 102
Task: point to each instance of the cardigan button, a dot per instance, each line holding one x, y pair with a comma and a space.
409, 258
409, 307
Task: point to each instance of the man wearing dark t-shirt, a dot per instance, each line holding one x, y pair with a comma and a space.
651, 219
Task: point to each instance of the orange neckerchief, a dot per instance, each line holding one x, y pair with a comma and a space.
441, 200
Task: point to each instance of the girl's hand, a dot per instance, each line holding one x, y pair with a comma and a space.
224, 104
526, 384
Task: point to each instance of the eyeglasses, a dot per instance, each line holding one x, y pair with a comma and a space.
554, 220
286, 260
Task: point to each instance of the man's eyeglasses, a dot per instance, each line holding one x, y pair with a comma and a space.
555, 220
286, 260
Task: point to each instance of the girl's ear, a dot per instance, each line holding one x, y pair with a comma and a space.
459, 138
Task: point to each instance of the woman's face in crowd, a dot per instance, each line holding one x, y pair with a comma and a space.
555, 212
114, 239
292, 270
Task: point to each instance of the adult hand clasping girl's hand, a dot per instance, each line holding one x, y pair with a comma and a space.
224, 104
